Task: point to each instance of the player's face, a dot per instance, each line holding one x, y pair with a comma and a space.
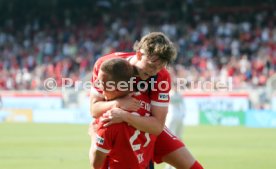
148, 66
110, 92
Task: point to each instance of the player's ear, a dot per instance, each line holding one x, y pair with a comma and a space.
139, 55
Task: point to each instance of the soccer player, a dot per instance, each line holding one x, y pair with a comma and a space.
152, 53
175, 117
120, 146
1, 103
176, 112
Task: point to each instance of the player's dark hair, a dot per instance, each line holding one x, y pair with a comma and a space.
117, 69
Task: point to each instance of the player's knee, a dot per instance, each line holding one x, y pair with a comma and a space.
196, 165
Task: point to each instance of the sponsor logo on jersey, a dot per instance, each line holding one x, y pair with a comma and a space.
99, 140
163, 96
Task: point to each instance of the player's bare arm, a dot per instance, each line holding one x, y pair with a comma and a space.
98, 105
153, 124
97, 160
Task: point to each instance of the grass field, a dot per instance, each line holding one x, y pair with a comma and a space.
56, 146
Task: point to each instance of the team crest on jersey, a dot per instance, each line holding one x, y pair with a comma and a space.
163, 96
99, 140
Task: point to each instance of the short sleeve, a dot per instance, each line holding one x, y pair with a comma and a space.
106, 137
160, 94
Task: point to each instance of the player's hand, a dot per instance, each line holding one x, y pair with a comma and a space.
113, 116
128, 103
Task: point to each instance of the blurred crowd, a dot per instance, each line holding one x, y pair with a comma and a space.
209, 46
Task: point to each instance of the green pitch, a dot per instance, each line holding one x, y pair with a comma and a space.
56, 146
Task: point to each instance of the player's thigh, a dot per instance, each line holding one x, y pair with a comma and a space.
165, 144
180, 158
170, 149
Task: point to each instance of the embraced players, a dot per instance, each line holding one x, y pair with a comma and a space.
120, 146
152, 53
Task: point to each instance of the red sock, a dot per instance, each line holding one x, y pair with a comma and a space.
196, 165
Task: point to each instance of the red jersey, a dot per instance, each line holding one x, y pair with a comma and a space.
158, 91
165, 143
127, 147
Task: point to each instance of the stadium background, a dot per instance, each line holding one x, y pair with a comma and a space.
63, 38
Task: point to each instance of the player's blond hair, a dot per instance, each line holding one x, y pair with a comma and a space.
156, 44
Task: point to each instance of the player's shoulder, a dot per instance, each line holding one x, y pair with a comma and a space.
163, 74
99, 61
112, 130
123, 55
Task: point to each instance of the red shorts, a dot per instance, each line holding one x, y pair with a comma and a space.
166, 143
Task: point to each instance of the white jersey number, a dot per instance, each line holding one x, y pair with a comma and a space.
136, 147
